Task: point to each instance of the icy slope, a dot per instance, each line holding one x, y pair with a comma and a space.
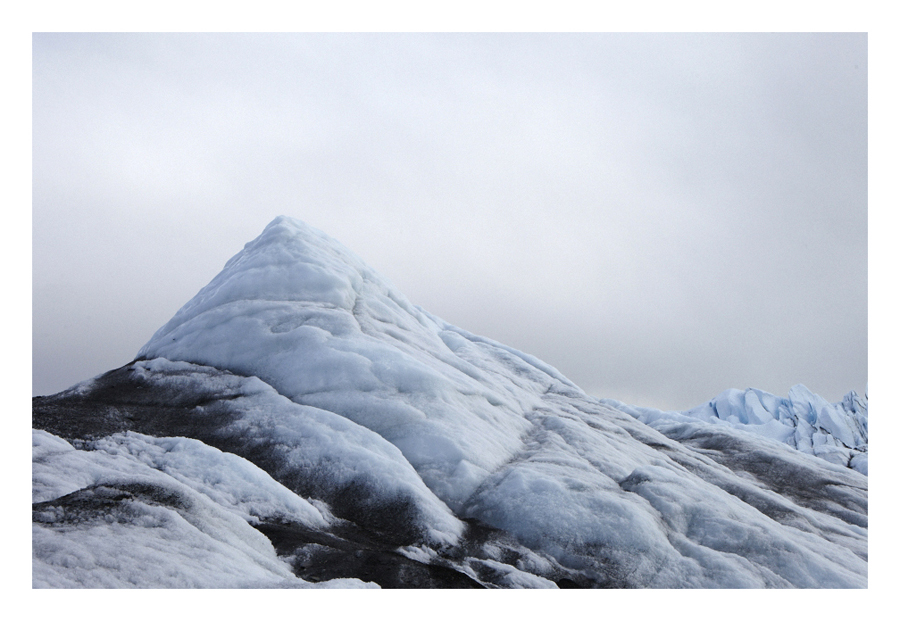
135, 511
836, 432
305, 315
433, 457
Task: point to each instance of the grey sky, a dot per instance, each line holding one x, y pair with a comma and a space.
660, 217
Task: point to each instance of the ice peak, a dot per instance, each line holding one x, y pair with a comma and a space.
289, 262
301, 312
320, 380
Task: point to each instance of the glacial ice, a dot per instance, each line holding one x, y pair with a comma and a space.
311, 319
184, 522
835, 432
300, 387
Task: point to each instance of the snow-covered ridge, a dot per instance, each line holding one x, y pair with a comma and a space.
836, 432
385, 445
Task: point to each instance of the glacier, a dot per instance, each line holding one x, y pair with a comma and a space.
836, 432
299, 423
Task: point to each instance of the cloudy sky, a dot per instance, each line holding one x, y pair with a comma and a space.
660, 217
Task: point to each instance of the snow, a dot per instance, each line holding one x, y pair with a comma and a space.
353, 405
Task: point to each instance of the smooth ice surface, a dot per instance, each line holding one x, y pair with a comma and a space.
455, 449
835, 432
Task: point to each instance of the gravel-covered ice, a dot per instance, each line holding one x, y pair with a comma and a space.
135, 511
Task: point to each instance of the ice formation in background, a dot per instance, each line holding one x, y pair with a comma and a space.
836, 432
300, 418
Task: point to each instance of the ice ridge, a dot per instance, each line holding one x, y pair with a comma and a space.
300, 421
835, 432
307, 316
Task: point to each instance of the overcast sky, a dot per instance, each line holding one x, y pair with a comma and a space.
660, 217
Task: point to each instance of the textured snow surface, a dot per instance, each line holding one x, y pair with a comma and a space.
836, 432
299, 401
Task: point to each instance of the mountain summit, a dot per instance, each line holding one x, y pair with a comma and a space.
299, 422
